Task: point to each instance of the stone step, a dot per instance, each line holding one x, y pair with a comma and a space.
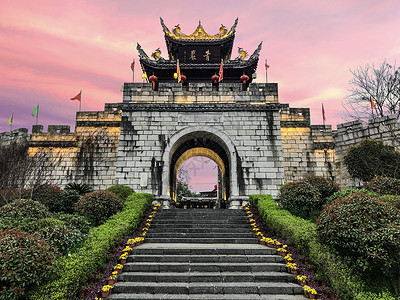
129, 296
197, 225
206, 277
215, 249
199, 221
211, 235
225, 213
210, 213
197, 230
201, 211
203, 240
265, 288
204, 254
205, 258
202, 267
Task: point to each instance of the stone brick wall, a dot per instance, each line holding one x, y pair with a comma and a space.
351, 133
86, 156
200, 93
307, 149
238, 119
264, 143
20, 135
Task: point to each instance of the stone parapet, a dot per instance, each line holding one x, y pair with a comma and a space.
200, 93
348, 134
16, 135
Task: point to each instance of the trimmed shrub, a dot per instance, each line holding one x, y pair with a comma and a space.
47, 222
46, 194
22, 214
66, 202
73, 272
81, 188
99, 205
347, 192
365, 231
74, 221
61, 237
24, 208
25, 261
301, 234
325, 187
391, 199
121, 190
384, 186
300, 198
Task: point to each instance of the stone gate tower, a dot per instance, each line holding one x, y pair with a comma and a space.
200, 102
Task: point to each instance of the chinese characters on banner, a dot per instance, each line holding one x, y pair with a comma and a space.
200, 54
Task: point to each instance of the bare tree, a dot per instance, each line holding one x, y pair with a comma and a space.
381, 84
19, 169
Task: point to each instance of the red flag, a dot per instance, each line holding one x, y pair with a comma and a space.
133, 65
221, 71
266, 65
372, 102
77, 97
178, 71
323, 113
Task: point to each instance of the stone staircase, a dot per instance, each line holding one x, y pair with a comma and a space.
204, 254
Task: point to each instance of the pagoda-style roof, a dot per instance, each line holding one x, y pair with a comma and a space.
200, 56
219, 44
199, 35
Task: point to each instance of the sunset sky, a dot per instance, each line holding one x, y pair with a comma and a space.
51, 49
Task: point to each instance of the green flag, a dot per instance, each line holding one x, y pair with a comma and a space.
122, 89
35, 112
11, 119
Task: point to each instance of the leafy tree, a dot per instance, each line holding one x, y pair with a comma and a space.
381, 84
372, 158
183, 190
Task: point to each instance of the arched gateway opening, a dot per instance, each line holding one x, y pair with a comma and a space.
200, 141
208, 153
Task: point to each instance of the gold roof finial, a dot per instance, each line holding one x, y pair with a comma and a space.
199, 33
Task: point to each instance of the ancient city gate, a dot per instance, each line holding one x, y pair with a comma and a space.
186, 110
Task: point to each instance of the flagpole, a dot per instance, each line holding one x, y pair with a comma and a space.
37, 116
266, 71
80, 101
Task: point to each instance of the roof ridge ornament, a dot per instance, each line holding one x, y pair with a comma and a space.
242, 53
156, 54
199, 33
256, 52
142, 54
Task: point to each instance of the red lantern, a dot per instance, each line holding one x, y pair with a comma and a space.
183, 78
215, 78
244, 78
153, 79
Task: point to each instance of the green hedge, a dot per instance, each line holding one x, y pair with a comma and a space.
73, 272
301, 234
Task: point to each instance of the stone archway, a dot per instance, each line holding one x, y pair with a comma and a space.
219, 146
